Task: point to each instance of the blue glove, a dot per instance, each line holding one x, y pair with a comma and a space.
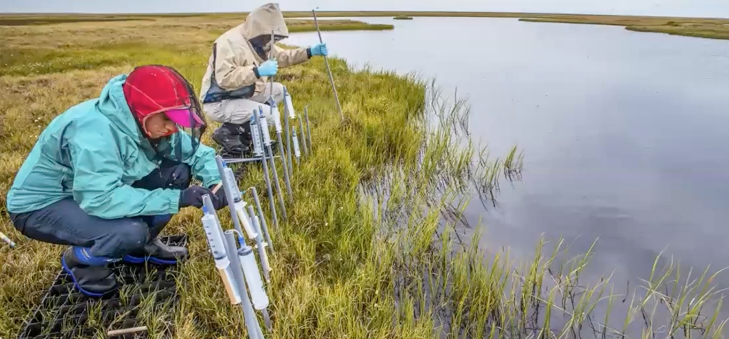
268, 68
319, 49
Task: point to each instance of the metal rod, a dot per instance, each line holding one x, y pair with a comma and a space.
278, 186
278, 132
127, 330
266, 177
270, 57
326, 62
228, 188
266, 319
288, 139
290, 114
303, 135
259, 333
287, 176
273, 169
297, 150
249, 315
263, 218
242, 160
308, 130
262, 226
259, 243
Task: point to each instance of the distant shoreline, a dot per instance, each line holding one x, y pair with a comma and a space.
713, 28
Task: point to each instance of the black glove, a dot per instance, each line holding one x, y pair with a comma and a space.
193, 196
219, 199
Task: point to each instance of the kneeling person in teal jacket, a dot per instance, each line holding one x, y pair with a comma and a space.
106, 176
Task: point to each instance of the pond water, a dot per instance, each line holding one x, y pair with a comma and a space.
624, 134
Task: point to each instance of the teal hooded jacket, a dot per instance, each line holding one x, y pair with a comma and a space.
93, 152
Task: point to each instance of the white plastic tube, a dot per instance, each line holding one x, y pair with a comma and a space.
266, 134
289, 105
253, 278
231, 178
240, 210
215, 240
297, 150
277, 121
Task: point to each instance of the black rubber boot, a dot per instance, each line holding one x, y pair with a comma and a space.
245, 133
158, 253
228, 137
90, 275
246, 138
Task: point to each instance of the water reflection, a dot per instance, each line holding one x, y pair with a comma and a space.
624, 133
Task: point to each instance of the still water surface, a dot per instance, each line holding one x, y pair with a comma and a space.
625, 134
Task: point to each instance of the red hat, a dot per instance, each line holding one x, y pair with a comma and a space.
155, 89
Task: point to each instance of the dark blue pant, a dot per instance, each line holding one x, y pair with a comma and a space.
65, 223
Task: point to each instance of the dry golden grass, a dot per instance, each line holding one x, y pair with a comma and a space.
714, 28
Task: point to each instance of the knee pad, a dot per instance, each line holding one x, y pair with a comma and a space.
133, 236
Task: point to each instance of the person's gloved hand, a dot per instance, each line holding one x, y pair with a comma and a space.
219, 200
319, 49
268, 68
193, 196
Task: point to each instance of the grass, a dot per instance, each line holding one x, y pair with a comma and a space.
294, 25
334, 25
713, 28
370, 248
700, 28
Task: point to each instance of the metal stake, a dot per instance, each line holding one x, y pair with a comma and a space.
262, 226
273, 165
308, 130
277, 123
249, 315
288, 140
297, 150
278, 132
326, 62
266, 177
229, 188
303, 135
263, 218
287, 175
290, 114
265, 266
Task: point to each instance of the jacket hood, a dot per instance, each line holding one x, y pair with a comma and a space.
113, 105
263, 20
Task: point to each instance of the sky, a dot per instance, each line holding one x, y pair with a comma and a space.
701, 8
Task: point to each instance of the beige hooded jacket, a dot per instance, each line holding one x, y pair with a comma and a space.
233, 60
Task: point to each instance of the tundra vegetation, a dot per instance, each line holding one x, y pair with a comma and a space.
370, 249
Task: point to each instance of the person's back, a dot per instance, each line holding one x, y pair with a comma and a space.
49, 169
45, 169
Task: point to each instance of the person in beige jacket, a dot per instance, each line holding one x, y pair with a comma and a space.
238, 69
